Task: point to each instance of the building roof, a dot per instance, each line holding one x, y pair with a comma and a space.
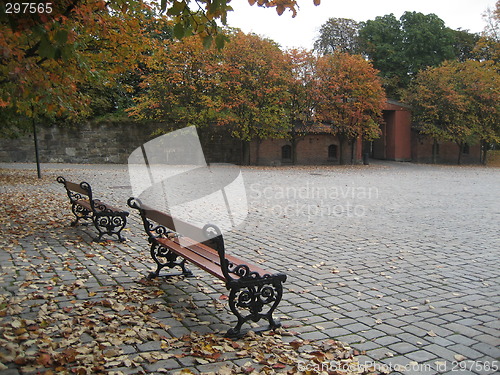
394, 105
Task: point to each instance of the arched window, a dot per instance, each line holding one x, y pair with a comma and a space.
332, 152
286, 153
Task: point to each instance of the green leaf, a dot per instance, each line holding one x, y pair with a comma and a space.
179, 30
176, 9
66, 52
61, 37
207, 41
46, 49
220, 41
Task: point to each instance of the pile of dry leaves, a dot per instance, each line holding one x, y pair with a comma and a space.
27, 207
90, 337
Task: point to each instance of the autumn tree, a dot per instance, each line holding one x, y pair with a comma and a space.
303, 94
56, 60
254, 89
241, 89
181, 88
481, 83
62, 33
43, 76
351, 98
54, 43
439, 108
458, 102
189, 17
110, 97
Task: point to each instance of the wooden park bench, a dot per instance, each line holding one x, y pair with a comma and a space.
108, 220
250, 287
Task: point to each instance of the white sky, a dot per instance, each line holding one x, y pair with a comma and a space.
303, 29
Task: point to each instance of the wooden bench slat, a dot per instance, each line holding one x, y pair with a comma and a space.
203, 251
109, 207
159, 217
97, 204
213, 256
167, 221
193, 257
76, 188
84, 203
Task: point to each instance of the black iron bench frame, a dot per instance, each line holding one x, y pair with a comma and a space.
251, 288
108, 220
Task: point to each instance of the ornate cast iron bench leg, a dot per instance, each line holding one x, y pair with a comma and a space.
80, 212
253, 296
110, 223
158, 253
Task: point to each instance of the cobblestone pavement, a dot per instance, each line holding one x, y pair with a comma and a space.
402, 261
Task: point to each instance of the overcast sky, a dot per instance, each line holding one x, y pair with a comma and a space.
303, 29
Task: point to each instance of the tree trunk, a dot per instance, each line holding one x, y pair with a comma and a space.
484, 152
352, 150
460, 147
37, 154
245, 153
434, 151
257, 156
341, 150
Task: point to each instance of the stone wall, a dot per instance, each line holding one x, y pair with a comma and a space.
105, 142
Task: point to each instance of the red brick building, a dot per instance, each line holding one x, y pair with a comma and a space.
401, 143
397, 142
446, 152
319, 148
395, 139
